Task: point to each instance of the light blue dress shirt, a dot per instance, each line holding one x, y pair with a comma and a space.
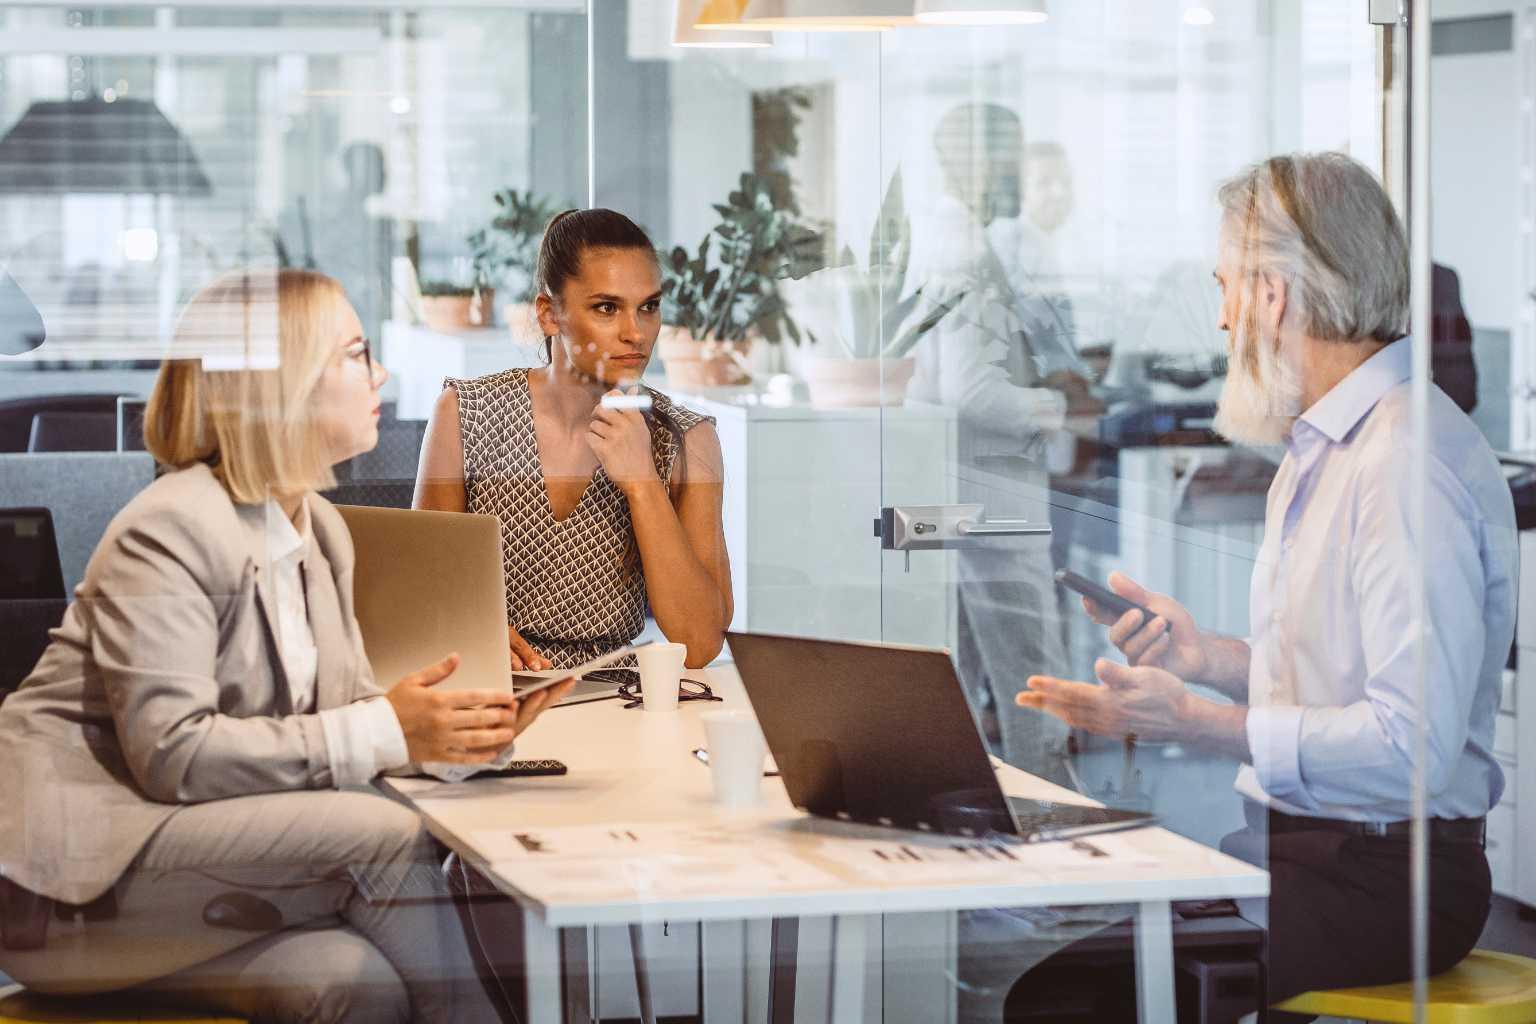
1333, 675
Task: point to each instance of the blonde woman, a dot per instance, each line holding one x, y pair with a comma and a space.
179, 761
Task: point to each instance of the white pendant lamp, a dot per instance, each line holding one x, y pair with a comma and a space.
806, 15
685, 32
980, 12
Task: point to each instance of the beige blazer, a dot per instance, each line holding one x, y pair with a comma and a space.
163, 686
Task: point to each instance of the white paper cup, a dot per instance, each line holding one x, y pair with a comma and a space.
661, 672
736, 753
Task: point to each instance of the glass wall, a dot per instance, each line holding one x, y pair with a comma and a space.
332, 138
1019, 227
1226, 307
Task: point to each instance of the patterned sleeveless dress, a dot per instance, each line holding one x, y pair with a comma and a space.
568, 593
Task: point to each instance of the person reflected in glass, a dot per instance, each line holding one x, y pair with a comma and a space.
990, 359
342, 232
1322, 700
184, 760
608, 492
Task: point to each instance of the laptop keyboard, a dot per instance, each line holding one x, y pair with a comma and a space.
1043, 816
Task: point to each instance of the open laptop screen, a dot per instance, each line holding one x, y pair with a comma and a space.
872, 733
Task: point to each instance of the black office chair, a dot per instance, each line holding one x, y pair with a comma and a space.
32, 599
386, 476
16, 415
73, 432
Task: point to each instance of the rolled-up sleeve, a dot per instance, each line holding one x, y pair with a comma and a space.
1274, 737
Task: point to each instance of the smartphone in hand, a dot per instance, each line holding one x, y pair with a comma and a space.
1101, 596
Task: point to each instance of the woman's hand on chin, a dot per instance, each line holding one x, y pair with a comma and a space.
621, 440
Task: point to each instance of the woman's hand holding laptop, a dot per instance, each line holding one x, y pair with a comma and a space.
463, 726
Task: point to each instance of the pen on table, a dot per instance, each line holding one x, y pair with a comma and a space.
703, 757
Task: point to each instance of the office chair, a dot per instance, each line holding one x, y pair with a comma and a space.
16, 414
32, 599
73, 432
386, 476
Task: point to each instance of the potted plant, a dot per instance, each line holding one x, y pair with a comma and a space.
506, 253
867, 326
450, 307
719, 300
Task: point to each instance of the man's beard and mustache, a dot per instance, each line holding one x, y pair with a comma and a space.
1262, 394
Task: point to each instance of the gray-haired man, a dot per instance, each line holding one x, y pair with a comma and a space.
1314, 272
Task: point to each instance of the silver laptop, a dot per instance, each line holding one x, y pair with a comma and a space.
883, 734
429, 583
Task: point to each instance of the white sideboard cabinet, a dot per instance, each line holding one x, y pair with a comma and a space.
803, 487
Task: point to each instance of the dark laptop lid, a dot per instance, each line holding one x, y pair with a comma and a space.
29, 556
872, 733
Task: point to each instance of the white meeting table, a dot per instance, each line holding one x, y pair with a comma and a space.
628, 766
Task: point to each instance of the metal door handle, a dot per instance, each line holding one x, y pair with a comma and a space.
1001, 528
935, 527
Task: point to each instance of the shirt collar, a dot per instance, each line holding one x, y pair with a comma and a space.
1340, 410
285, 539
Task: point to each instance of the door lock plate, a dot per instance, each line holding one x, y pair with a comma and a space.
937, 527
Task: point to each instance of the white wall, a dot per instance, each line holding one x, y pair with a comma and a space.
1475, 174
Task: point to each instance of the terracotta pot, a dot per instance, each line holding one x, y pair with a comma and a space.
696, 365
842, 383
453, 313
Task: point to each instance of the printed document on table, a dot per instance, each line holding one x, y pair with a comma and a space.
657, 861
942, 858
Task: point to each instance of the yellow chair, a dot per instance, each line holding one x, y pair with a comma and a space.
1485, 988
18, 1006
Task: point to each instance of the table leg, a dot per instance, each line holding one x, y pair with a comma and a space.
1154, 962
783, 966
557, 966
856, 949
642, 974
920, 953
723, 961
575, 973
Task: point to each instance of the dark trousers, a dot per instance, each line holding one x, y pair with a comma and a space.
1339, 907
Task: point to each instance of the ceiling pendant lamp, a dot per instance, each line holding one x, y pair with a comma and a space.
806, 15
980, 12
120, 146
686, 33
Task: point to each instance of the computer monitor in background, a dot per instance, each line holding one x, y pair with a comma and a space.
29, 556
130, 424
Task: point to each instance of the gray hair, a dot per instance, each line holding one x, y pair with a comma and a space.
1324, 223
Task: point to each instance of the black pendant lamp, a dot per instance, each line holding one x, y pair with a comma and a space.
93, 145
21, 325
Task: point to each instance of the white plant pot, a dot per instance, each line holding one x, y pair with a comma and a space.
845, 383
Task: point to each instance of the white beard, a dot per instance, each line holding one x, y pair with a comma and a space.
1259, 409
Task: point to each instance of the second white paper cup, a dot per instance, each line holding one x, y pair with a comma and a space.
661, 671
736, 753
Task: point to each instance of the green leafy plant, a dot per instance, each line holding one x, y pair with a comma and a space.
732, 283
871, 318
776, 140
506, 251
